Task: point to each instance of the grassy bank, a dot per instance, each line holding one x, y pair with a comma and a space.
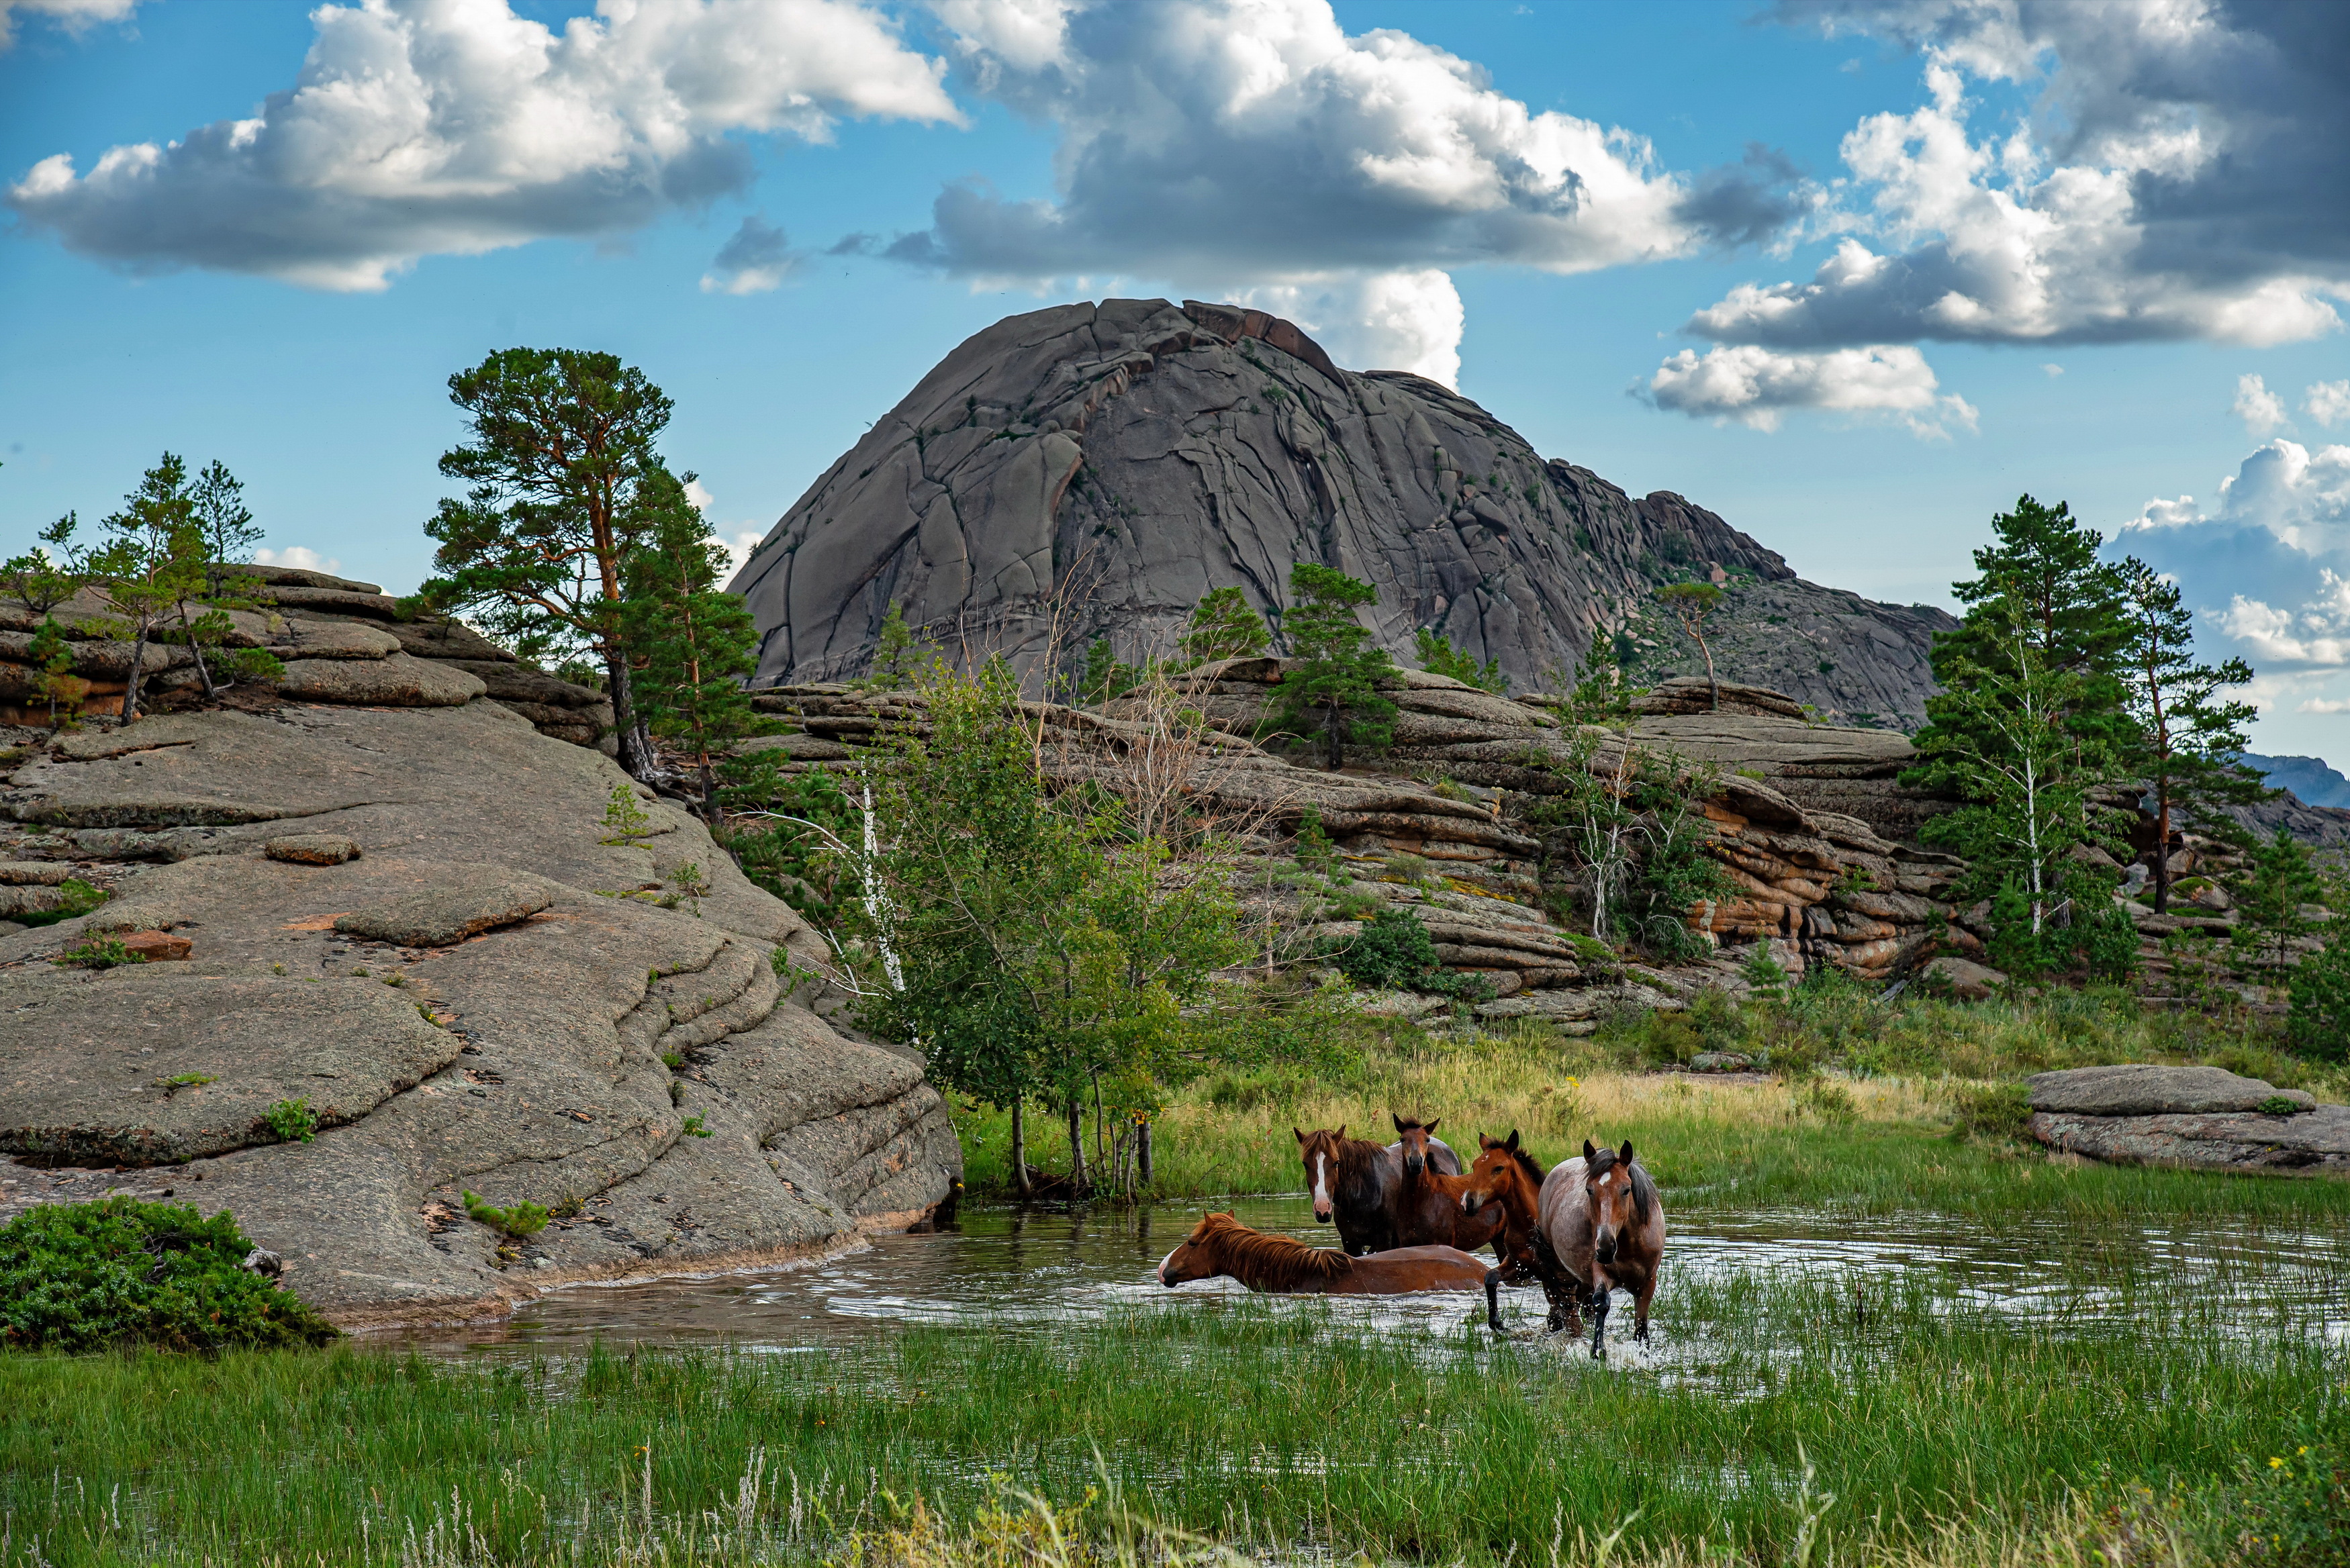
1865, 1117
1883, 1422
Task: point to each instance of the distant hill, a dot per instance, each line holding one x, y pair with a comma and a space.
2309, 778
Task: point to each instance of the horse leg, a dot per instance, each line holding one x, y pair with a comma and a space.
1494, 1299
1648, 1293
1599, 1322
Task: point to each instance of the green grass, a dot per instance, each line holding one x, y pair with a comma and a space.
1261, 1425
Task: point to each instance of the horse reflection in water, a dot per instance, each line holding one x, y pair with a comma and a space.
1220, 1244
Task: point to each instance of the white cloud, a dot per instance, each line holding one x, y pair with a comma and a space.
1756, 386
1255, 138
455, 127
2317, 633
698, 493
2262, 411
1379, 321
299, 556
73, 16
2051, 370
2327, 403
2325, 705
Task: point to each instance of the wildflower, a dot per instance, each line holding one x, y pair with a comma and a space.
2276, 1464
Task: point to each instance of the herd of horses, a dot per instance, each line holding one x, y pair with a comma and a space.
1409, 1219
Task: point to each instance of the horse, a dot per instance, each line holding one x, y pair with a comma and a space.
1602, 1219
1428, 1208
1355, 1184
1220, 1244
1506, 1181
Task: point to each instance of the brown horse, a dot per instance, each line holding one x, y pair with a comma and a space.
1220, 1244
1506, 1181
1428, 1207
1601, 1218
1356, 1184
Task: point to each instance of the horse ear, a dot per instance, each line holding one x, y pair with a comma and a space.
1589, 1153
1298, 1136
1342, 1132
1512, 1145
1484, 1142
1397, 1119
1431, 1126
1624, 1153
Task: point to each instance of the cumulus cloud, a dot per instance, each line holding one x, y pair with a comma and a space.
1378, 321
2279, 524
455, 127
2168, 186
1755, 386
74, 15
299, 556
2262, 411
754, 259
2327, 403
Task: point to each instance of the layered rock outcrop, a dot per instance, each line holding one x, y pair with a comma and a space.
341, 641
479, 957
1095, 469
2205, 1117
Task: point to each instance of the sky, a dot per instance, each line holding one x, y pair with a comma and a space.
1855, 274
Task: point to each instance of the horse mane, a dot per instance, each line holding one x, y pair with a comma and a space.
1276, 1262
1526, 1163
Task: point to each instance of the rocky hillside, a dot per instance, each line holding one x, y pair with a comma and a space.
1095, 469
388, 898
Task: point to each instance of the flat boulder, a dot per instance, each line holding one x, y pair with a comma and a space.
1970, 981
312, 849
149, 1065
33, 873
2302, 1143
446, 915
395, 680
2138, 1090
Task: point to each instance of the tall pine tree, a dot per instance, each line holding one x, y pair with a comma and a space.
693, 643
2188, 740
1331, 682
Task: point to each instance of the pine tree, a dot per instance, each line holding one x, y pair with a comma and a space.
1331, 681
895, 655
1439, 657
151, 560
2188, 741
695, 643
1105, 679
1598, 695
230, 535
2270, 893
562, 440
1224, 627
1689, 604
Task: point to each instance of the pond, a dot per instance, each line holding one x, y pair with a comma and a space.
1029, 1270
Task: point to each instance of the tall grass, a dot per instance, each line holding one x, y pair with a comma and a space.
1264, 1426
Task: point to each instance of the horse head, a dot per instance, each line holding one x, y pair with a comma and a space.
1415, 1141
1321, 1149
1617, 1201
1492, 1174
1194, 1257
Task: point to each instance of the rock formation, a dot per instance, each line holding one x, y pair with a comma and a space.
2206, 1118
1095, 469
479, 957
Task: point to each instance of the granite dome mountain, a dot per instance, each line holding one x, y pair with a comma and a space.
1094, 470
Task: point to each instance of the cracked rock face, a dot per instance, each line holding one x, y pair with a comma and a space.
1127, 458
499, 992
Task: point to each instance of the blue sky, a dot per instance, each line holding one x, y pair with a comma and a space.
2037, 278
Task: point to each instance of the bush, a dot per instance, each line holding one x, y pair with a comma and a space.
2320, 988
1394, 953
98, 952
1990, 1110
94, 1276
523, 1218
292, 1120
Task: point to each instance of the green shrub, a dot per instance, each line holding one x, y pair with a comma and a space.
523, 1218
2298, 1511
292, 1120
94, 1276
81, 899
2319, 1027
1990, 1110
98, 952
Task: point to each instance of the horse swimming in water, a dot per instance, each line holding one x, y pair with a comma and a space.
1220, 1244
1357, 1184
